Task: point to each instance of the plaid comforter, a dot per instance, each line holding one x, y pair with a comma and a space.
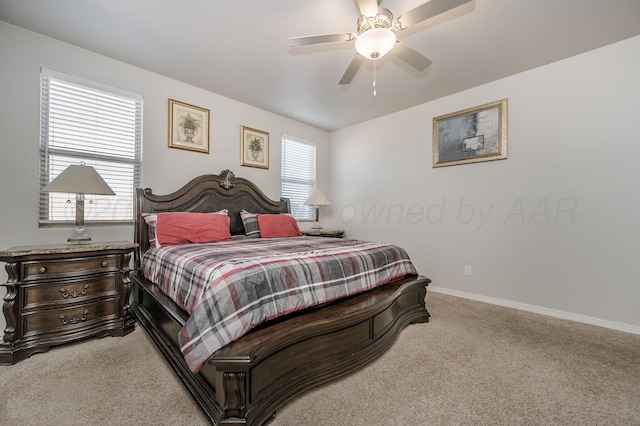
231, 287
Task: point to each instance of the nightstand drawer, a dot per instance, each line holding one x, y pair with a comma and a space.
52, 320
70, 291
39, 270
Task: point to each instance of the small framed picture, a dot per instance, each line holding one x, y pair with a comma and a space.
188, 127
254, 148
471, 135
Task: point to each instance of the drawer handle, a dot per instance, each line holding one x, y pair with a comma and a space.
74, 294
42, 270
104, 264
74, 320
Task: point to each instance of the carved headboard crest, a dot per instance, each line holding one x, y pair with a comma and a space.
227, 179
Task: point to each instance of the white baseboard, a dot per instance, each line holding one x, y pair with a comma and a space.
538, 310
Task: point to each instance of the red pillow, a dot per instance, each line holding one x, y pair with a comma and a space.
278, 226
184, 228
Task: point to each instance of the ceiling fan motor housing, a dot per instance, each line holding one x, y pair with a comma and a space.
384, 19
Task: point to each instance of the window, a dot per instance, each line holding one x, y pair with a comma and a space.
83, 121
298, 175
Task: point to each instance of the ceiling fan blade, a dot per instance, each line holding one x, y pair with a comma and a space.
351, 71
368, 7
429, 10
411, 57
318, 39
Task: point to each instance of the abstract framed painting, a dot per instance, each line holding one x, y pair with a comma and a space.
471, 135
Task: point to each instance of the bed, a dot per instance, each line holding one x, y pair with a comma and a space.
247, 380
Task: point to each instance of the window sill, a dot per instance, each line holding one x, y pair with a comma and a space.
71, 224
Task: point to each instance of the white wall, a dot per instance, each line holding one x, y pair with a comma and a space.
554, 228
23, 53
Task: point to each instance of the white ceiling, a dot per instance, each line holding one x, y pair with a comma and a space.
239, 48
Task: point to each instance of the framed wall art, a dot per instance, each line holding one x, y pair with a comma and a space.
471, 135
188, 127
254, 148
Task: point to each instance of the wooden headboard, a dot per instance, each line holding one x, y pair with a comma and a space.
206, 193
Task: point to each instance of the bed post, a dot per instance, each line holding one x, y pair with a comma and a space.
233, 398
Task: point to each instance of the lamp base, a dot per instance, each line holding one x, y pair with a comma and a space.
79, 237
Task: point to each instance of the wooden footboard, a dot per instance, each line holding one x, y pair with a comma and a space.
248, 380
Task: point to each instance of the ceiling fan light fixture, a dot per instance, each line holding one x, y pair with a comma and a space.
375, 43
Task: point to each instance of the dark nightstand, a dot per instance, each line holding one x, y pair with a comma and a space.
324, 233
61, 293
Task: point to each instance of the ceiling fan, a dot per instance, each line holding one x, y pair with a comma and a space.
375, 36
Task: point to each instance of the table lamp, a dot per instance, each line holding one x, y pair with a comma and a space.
79, 179
317, 199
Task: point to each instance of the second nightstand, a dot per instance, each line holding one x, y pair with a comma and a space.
324, 233
61, 293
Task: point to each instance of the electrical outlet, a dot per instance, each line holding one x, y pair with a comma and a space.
467, 270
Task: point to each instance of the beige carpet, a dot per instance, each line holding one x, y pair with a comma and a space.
473, 364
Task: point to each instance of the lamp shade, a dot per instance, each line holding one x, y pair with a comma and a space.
375, 43
79, 179
317, 198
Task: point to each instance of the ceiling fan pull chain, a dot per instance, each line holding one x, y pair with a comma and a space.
374, 78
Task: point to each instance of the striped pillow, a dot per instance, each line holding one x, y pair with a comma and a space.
250, 222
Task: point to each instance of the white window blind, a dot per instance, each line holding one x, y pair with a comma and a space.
298, 175
84, 121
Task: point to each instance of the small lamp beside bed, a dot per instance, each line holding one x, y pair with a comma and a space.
79, 179
317, 199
